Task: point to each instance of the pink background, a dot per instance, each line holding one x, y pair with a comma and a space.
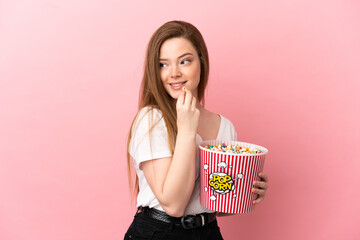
285, 72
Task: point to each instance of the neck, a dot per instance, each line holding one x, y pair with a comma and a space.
203, 111
201, 108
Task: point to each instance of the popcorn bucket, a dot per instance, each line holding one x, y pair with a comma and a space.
226, 179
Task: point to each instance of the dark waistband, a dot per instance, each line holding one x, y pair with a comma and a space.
186, 222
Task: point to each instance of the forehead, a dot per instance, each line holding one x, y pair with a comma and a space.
174, 47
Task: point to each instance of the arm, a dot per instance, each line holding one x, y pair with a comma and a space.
172, 179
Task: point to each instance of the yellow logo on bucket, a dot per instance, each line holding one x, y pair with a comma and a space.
221, 182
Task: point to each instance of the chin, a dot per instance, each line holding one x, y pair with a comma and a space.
175, 96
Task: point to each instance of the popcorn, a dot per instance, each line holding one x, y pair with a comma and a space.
236, 149
227, 172
184, 88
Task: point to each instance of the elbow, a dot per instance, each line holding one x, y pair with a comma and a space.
174, 211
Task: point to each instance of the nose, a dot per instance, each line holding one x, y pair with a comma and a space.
175, 72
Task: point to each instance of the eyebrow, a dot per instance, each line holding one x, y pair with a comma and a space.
183, 55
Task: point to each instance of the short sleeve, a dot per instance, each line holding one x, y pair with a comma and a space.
144, 146
228, 132
233, 133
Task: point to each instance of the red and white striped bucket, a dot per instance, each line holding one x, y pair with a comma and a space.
226, 179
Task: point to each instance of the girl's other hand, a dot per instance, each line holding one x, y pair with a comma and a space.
260, 187
187, 113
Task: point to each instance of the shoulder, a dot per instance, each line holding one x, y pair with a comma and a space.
148, 114
228, 129
148, 136
223, 120
147, 119
149, 111
226, 121
210, 116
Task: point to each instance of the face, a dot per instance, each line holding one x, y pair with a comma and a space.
179, 66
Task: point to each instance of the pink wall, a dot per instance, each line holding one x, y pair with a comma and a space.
285, 72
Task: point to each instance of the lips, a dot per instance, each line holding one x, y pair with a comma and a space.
177, 84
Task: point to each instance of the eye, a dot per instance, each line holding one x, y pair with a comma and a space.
186, 61
162, 65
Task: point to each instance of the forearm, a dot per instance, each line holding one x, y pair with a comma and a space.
180, 179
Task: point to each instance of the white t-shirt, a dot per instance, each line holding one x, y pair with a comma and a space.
141, 150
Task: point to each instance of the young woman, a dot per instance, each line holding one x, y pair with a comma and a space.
165, 134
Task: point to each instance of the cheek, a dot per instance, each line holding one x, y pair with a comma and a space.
163, 76
196, 73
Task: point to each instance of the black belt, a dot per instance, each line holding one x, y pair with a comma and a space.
186, 222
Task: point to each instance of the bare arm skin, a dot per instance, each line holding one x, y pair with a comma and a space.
172, 180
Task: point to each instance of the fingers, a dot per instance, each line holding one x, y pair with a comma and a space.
260, 184
188, 98
180, 100
264, 177
260, 188
258, 191
187, 113
263, 183
193, 103
261, 195
258, 200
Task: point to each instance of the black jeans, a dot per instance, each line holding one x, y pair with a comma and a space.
144, 227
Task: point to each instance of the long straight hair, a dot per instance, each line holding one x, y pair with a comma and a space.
152, 91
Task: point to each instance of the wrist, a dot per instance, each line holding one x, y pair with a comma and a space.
186, 134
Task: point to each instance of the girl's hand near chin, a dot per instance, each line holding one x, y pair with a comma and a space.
187, 113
